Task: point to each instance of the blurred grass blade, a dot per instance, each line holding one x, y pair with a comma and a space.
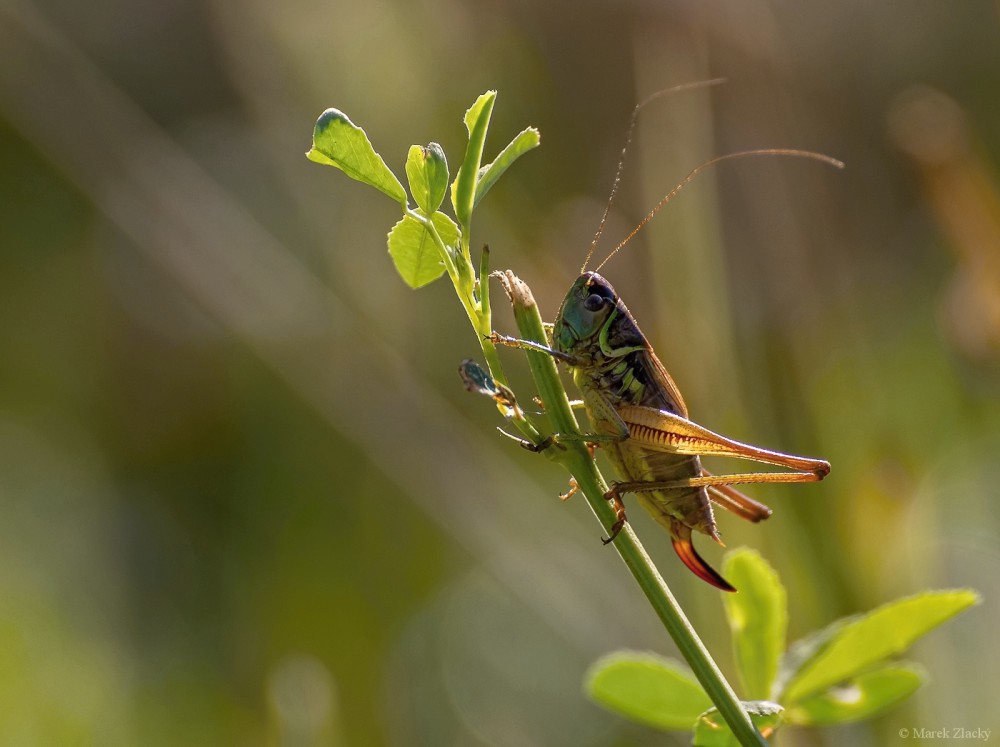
463, 189
525, 141
417, 258
867, 639
648, 689
863, 697
427, 172
758, 618
338, 142
711, 731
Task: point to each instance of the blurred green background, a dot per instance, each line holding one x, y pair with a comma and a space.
243, 496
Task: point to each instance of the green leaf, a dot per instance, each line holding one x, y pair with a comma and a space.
862, 697
805, 649
427, 170
758, 618
337, 141
712, 731
525, 141
868, 639
414, 252
646, 688
463, 189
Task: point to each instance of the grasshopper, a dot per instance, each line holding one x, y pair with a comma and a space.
640, 419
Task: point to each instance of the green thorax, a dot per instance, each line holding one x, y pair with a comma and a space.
611, 354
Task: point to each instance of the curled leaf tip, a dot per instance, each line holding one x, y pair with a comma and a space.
331, 115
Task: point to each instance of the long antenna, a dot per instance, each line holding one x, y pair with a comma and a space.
628, 139
698, 169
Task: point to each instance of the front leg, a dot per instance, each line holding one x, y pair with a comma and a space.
513, 342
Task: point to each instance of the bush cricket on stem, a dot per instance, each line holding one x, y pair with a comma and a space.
637, 412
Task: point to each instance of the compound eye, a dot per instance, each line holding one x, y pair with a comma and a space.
593, 302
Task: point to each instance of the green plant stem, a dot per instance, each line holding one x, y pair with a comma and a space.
478, 312
577, 460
